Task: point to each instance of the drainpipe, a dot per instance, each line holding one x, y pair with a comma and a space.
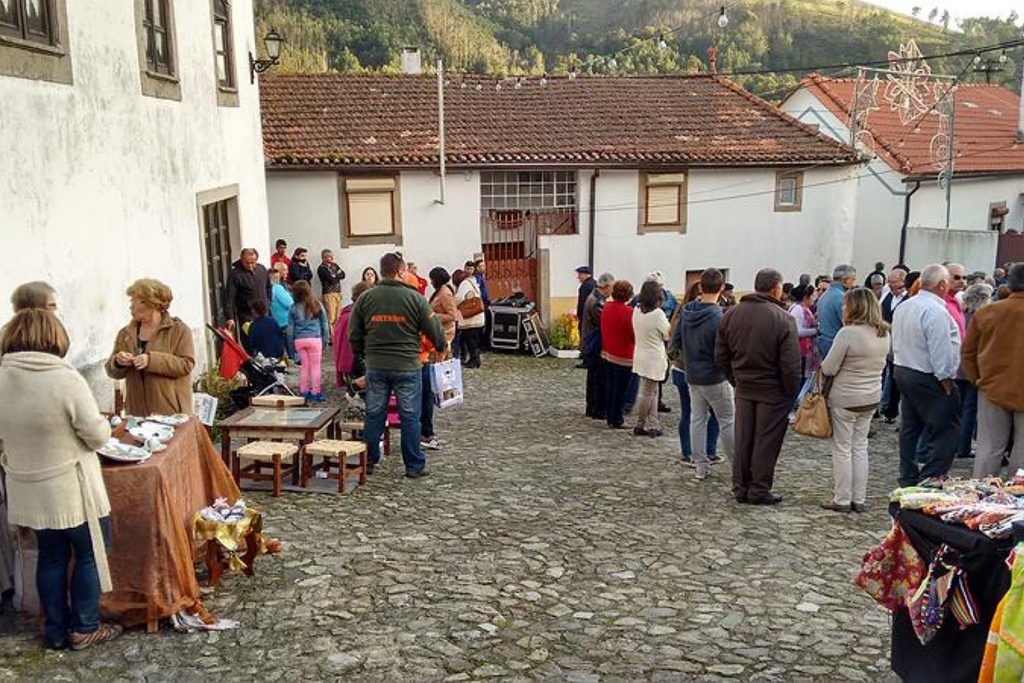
906, 220
593, 217
440, 127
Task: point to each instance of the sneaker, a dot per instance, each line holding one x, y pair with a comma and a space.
715, 458
431, 443
419, 474
688, 461
655, 433
701, 473
81, 641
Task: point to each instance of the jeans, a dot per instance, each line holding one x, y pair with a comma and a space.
711, 402
311, 351
408, 389
616, 384
427, 405
968, 416
56, 546
925, 405
850, 455
679, 379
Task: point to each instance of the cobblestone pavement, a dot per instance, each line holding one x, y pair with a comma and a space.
543, 547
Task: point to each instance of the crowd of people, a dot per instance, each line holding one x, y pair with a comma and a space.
930, 348
276, 313
934, 349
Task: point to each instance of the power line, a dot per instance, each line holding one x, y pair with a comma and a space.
761, 193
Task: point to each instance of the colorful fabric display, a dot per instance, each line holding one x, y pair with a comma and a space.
891, 570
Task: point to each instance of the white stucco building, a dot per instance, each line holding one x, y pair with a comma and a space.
901, 208
131, 149
627, 174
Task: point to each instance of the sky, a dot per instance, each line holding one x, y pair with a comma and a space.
957, 8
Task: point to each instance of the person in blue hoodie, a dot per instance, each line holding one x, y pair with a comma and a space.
708, 386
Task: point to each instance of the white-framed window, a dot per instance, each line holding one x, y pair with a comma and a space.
553, 191
789, 190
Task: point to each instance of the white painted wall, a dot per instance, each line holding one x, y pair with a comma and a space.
98, 183
880, 201
975, 249
731, 224
971, 200
304, 210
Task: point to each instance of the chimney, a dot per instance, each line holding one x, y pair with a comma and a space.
411, 62
712, 59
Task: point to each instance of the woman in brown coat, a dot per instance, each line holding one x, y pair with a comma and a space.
442, 301
154, 354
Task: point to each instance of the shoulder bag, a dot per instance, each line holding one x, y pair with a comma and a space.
812, 417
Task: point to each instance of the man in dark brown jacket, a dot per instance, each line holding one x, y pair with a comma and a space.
993, 363
757, 351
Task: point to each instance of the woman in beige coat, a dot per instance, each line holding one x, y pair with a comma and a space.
154, 354
54, 484
855, 363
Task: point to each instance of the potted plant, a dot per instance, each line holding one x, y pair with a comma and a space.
564, 337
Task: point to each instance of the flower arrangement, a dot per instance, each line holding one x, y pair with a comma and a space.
565, 333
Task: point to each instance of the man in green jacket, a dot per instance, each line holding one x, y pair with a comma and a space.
386, 328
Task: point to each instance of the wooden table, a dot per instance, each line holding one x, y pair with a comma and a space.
273, 424
152, 506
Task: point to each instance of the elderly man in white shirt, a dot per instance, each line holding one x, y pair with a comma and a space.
926, 351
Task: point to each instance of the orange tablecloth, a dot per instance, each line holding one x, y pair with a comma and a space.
152, 505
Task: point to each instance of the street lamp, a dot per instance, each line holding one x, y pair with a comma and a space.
272, 42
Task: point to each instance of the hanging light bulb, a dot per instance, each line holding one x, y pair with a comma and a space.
519, 83
723, 18
661, 41
572, 72
613, 64
543, 80
1002, 57
977, 59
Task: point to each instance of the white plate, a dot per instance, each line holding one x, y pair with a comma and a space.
123, 452
175, 420
152, 430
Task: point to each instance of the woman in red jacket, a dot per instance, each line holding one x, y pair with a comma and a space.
617, 344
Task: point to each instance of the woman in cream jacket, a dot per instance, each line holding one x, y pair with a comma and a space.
54, 484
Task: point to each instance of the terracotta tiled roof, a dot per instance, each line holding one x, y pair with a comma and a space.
382, 120
984, 128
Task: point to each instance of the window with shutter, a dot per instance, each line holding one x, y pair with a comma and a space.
662, 202
371, 210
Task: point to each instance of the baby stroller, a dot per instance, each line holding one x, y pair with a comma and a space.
262, 376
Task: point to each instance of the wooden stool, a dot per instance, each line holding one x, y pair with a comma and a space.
277, 401
340, 451
264, 453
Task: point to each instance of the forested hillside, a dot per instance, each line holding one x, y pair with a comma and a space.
779, 38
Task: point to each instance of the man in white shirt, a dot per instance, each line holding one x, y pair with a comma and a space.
926, 354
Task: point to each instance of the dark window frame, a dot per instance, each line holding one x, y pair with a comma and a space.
222, 20
21, 32
165, 29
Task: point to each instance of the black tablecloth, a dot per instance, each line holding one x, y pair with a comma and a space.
953, 655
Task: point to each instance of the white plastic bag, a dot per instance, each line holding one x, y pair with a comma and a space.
446, 383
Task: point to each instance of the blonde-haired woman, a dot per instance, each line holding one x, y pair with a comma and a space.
855, 364
154, 354
51, 433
